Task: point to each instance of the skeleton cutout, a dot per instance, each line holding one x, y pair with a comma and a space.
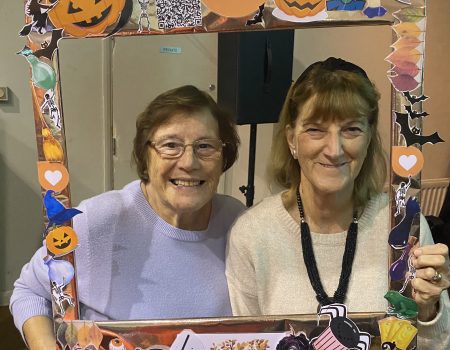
143, 15
59, 296
400, 195
51, 108
410, 276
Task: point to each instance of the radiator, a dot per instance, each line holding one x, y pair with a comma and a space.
433, 192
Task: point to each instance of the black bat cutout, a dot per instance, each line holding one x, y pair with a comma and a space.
414, 114
411, 137
258, 18
48, 50
414, 99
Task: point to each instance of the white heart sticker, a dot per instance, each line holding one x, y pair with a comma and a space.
53, 177
407, 162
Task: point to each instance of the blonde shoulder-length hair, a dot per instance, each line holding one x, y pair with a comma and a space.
340, 90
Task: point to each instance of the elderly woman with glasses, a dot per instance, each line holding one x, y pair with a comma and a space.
156, 248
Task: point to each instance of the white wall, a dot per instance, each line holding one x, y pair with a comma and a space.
20, 208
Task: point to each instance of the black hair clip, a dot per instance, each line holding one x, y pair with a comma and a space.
333, 64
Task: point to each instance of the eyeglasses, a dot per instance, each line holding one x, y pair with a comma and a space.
205, 149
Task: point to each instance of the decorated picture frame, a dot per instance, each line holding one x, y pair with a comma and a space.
49, 21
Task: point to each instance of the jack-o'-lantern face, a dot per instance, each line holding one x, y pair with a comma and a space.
301, 8
61, 240
82, 17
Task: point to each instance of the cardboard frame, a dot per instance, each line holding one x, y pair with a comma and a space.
53, 22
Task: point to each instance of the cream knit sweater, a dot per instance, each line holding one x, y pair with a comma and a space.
267, 276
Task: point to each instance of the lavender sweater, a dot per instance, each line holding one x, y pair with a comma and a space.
131, 264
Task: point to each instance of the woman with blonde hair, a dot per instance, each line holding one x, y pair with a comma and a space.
324, 239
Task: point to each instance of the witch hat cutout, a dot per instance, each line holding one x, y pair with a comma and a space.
56, 212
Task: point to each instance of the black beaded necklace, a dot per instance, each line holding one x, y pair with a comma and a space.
310, 260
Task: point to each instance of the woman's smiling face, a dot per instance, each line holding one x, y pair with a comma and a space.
187, 184
330, 152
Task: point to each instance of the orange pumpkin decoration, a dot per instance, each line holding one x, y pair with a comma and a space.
80, 18
301, 8
233, 8
61, 240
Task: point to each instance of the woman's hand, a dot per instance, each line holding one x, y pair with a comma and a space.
432, 277
38, 331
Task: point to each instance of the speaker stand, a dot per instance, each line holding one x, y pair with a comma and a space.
249, 189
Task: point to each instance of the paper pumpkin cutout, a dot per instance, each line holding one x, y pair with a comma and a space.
53, 176
233, 8
61, 240
406, 160
83, 17
301, 8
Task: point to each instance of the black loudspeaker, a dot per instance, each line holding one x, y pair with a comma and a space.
254, 74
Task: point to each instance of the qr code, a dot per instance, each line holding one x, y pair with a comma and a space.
178, 13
